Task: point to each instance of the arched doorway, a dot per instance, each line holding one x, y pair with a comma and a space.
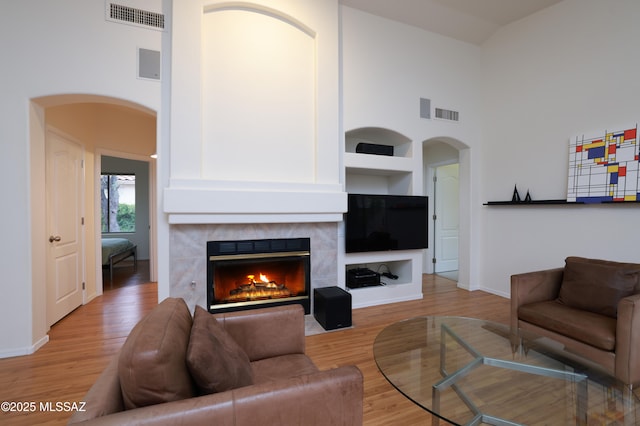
447, 183
100, 125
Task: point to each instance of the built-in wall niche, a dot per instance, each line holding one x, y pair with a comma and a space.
377, 135
402, 269
378, 174
406, 265
383, 182
382, 174
258, 96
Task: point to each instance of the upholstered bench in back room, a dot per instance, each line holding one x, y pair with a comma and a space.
591, 306
238, 368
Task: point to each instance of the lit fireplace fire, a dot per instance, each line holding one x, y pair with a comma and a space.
258, 290
247, 274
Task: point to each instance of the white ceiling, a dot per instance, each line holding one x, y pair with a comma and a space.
472, 21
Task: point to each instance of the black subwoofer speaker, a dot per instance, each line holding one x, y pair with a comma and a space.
332, 307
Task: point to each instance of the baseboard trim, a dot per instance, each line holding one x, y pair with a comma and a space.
27, 350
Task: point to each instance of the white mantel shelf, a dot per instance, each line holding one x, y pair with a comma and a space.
205, 202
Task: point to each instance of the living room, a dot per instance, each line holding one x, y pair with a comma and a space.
522, 94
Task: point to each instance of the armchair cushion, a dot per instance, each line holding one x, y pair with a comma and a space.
151, 365
216, 362
596, 286
281, 367
570, 322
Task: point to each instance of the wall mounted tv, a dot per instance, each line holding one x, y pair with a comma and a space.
385, 222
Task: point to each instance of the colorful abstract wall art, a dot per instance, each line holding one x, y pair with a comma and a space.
604, 167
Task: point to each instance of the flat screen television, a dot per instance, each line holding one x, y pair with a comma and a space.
385, 222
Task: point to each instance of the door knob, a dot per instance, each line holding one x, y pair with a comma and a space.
56, 238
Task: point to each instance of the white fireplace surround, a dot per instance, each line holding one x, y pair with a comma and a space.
255, 143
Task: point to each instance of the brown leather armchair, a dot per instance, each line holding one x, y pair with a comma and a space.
286, 388
590, 306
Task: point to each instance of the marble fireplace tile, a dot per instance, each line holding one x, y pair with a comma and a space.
186, 241
188, 252
183, 273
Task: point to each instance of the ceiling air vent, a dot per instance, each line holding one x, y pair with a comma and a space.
131, 15
446, 114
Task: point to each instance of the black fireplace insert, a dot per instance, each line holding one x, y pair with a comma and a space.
249, 274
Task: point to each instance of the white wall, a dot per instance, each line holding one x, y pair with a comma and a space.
387, 68
569, 69
55, 48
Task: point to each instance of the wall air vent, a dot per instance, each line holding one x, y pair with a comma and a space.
446, 114
425, 108
138, 17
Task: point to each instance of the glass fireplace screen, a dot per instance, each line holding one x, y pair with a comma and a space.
241, 280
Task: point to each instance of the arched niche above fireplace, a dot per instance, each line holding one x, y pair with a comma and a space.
258, 95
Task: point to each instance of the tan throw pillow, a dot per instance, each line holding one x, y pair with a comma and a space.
216, 362
151, 365
596, 286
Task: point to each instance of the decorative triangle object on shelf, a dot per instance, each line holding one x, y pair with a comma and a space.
516, 196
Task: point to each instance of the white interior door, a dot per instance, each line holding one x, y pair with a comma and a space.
65, 256
447, 224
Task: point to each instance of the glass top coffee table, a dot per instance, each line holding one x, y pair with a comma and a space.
471, 372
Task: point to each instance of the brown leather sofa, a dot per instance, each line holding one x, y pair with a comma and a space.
240, 368
590, 306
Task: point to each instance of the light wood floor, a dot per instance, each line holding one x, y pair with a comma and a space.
82, 343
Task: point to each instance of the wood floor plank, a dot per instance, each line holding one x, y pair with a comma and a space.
82, 344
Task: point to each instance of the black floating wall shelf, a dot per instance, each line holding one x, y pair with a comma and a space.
554, 202
527, 203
